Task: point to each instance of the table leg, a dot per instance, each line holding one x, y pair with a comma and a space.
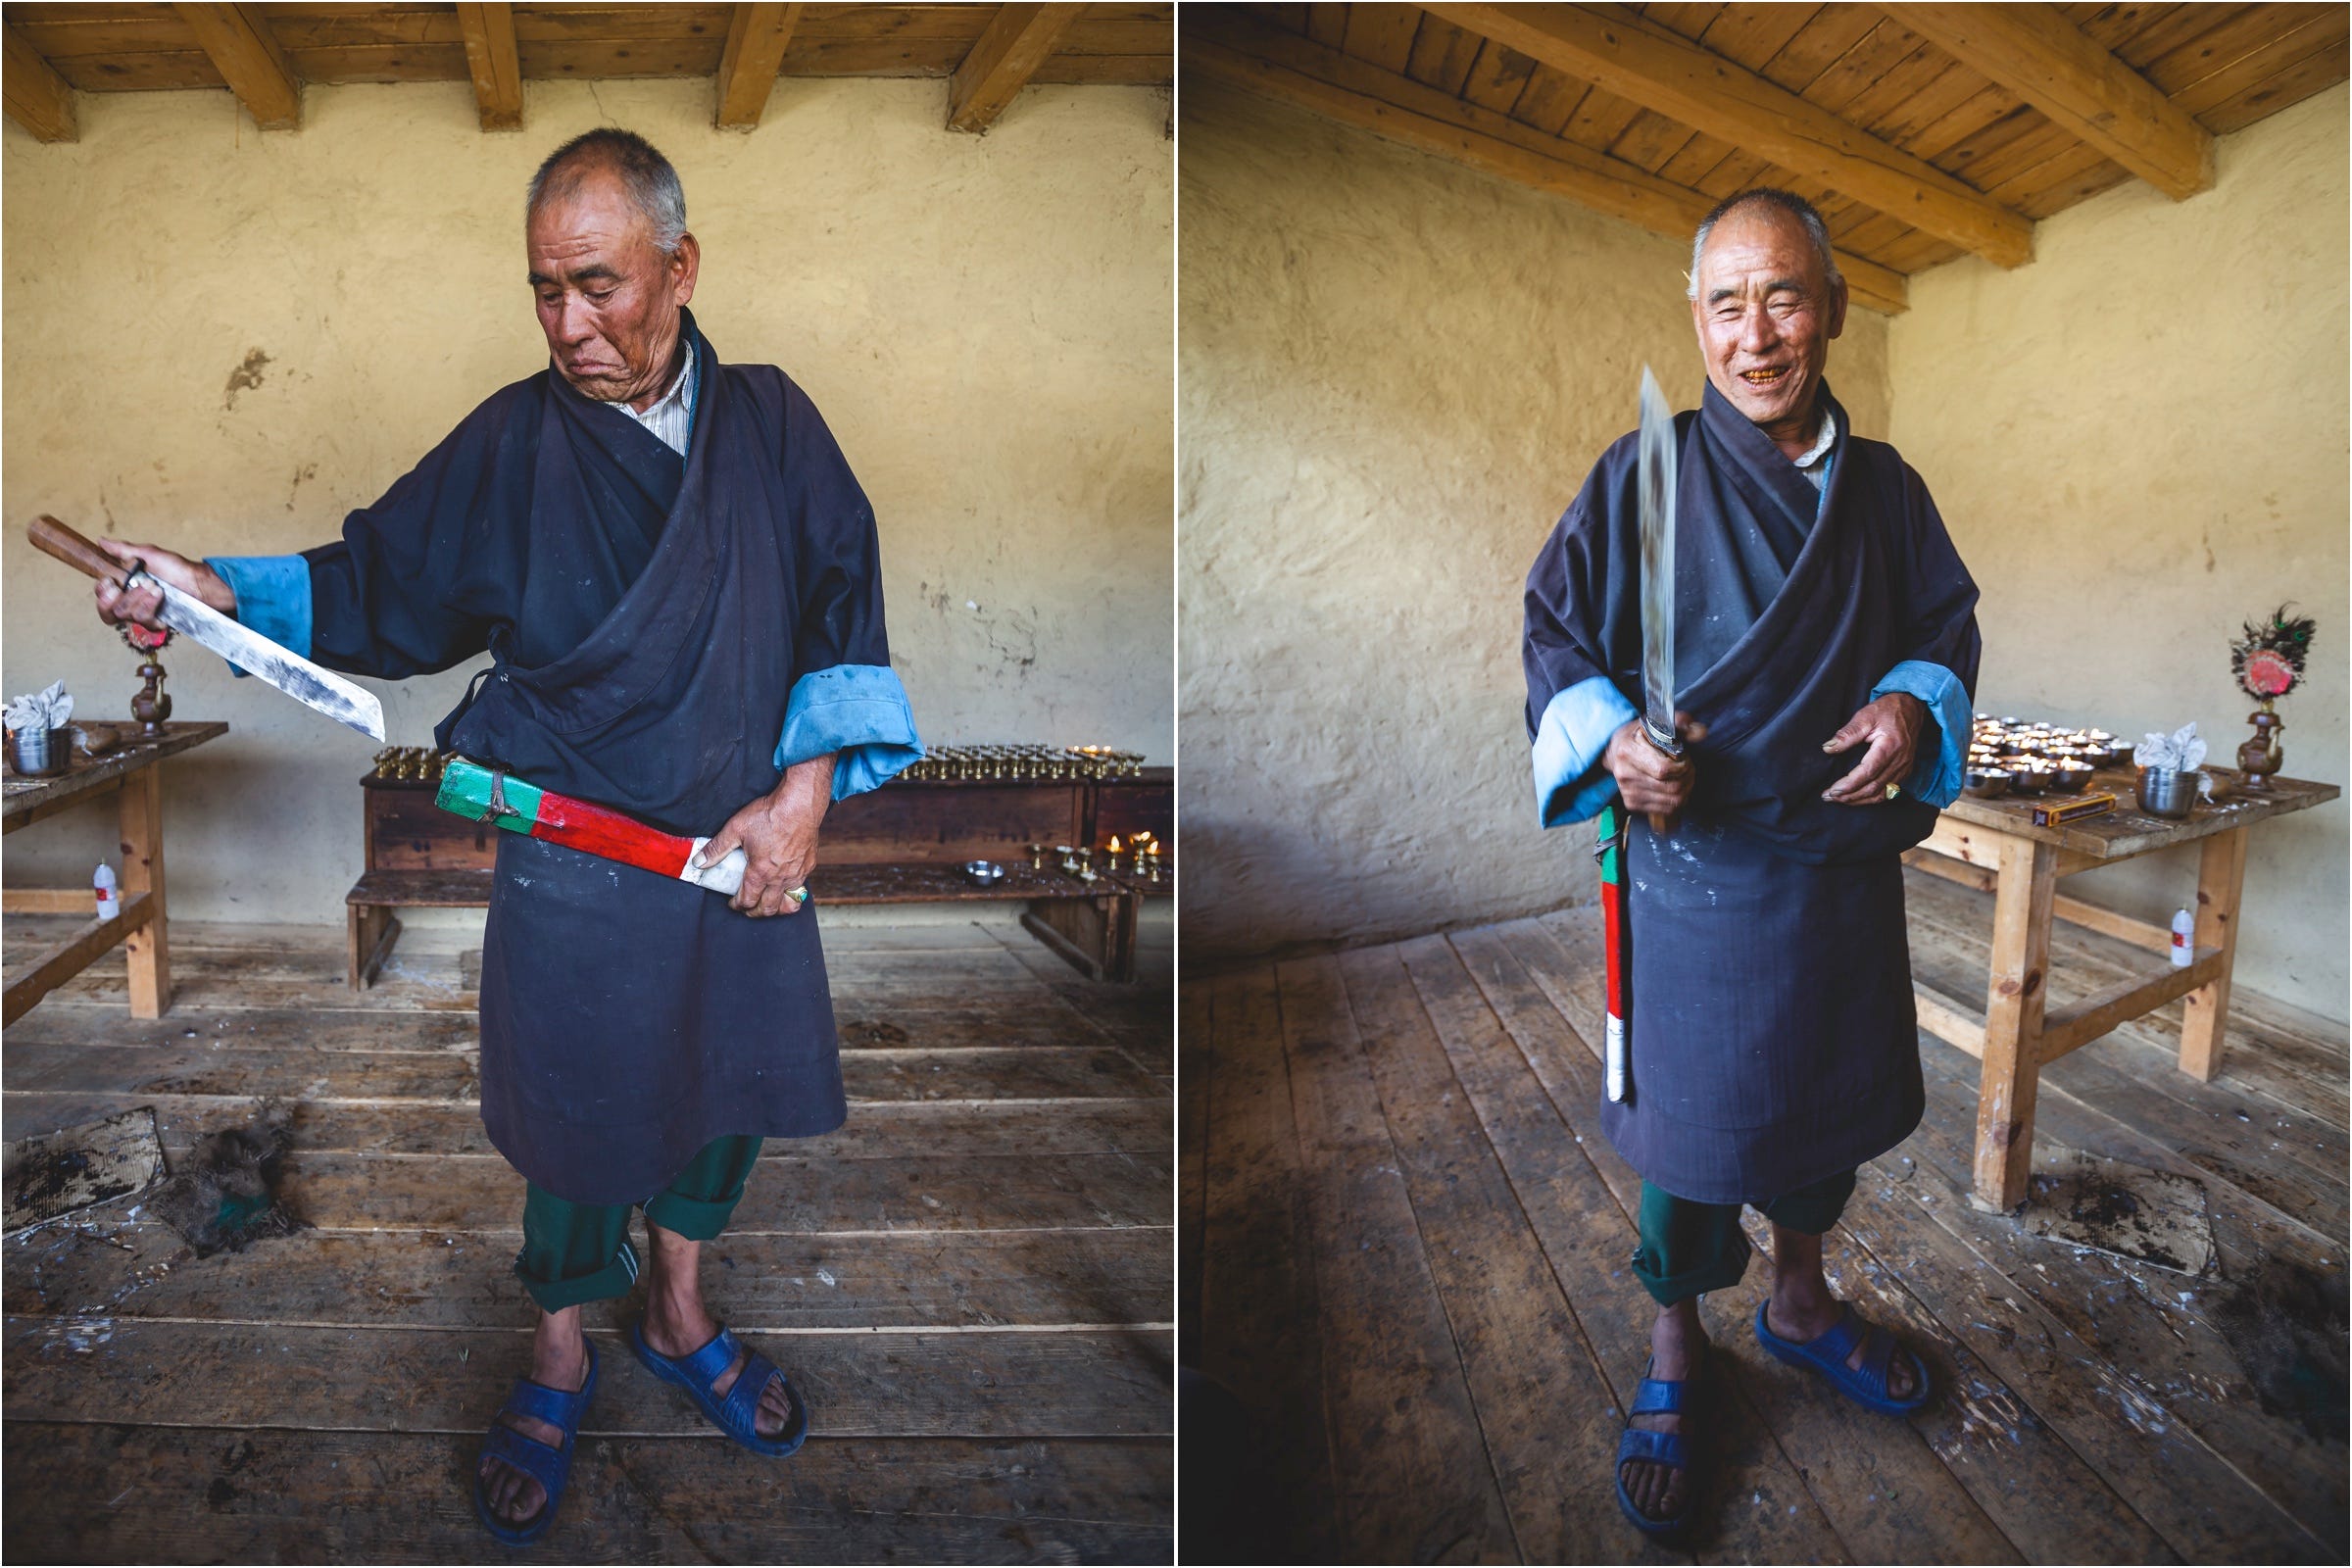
148, 948
2013, 1005
2205, 1017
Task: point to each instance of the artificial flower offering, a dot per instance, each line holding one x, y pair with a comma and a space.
2268, 660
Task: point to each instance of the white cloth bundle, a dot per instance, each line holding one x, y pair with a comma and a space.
2183, 751
43, 709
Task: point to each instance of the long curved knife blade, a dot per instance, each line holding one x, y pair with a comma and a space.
256, 655
1654, 490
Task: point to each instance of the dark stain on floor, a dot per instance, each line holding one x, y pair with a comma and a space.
2287, 1327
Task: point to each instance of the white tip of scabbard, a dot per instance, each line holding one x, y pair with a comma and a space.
726, 876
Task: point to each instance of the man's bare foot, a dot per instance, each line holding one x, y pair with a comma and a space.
1808, 1319
1802, 1309
1678, 1344
559, 1360
676, 1323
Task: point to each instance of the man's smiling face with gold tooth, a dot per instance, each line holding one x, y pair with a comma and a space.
1765, 311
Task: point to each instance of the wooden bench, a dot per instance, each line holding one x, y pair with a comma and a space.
904, 843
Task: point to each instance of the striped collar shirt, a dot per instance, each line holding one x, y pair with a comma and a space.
672, 416
1815, 464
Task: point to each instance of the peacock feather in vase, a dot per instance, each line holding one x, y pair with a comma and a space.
2268, 662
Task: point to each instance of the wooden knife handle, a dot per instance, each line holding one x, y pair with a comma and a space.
53, 537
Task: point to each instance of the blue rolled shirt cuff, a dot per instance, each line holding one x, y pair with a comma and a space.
1934, 779
859, 712
1571, 785
274, 596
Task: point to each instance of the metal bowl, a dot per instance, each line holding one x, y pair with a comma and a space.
2167, 792
40, 752
2068, 778
984, 873
1987, 783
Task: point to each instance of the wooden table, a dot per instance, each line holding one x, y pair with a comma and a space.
134, 771
2001, 852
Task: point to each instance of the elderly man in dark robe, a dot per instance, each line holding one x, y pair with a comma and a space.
1826, 643
676, 577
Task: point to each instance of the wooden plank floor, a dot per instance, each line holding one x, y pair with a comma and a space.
1407, 1280
969, 1280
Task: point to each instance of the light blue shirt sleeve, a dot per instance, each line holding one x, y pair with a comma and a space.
274, 596
858, 711
1934, 779
1571, 785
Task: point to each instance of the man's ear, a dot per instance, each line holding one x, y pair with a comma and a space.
685, 265
1837, 302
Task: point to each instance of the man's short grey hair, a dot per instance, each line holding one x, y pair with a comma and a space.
652, 184
1787, 202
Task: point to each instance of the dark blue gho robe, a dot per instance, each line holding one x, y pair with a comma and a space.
668, 635
1772, 1034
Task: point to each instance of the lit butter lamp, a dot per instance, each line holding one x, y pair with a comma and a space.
1113, 850
2268, 662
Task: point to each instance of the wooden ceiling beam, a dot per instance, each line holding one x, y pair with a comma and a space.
1645, 64
1296, 71
239, 41
492, 61
757, 39
1017, 41
2036, 53
36, 96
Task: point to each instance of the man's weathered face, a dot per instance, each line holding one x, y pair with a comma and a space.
608, 299
1765, 314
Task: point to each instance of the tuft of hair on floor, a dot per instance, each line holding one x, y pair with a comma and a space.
224, 1198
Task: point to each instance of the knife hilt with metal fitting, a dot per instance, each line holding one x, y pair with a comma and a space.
307, 683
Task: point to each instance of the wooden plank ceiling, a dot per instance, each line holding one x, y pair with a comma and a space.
1922, 133
266, 53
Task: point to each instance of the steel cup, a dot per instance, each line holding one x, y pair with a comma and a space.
40, 752
2167, 791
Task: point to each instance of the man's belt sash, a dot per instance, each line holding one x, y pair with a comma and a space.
480, 794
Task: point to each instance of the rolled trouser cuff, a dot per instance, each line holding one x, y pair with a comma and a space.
1813, 1209
698, 1219
614, 1279
1719, 1272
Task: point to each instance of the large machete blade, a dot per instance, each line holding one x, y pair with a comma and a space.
256, 655
1654, 494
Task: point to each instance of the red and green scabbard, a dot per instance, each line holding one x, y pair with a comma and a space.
1609, 839
479, 794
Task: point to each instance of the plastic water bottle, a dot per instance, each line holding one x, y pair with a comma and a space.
2184, 940
103, 884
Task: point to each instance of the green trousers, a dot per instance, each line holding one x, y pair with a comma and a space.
574, 1253
1689, 1249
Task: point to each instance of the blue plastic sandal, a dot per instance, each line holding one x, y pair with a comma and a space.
737, 1415
1865, 1385
1635, 1444
543, 1462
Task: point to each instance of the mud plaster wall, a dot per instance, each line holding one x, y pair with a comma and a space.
1395, 374
2140, 441
223, 340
